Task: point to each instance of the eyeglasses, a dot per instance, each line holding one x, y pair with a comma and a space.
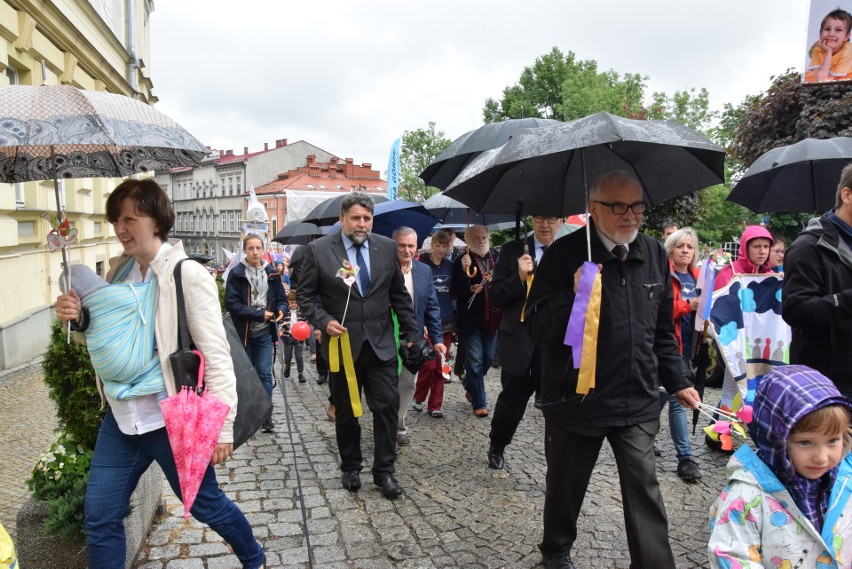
542, 219
621, 208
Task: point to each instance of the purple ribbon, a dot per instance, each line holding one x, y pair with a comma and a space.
577, 321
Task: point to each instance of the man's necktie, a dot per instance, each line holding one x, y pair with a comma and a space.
620, 251
363, 271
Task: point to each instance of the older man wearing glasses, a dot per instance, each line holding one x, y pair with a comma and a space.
520, 376
636, 352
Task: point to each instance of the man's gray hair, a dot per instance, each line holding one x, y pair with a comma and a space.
613, 178
357, 198
402, 231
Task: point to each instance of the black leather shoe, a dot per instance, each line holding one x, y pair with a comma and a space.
495, 457
351, 480
390, 488
558, 562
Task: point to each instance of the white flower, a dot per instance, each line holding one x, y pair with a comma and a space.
60, 449
61, 465
57, 475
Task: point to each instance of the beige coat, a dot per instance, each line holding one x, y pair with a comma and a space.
201, 298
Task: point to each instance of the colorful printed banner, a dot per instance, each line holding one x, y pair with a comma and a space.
750, 334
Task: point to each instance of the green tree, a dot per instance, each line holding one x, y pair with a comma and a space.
562, 87
559, 86
786, 113
419, 148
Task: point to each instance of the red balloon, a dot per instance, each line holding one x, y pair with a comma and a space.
300, 331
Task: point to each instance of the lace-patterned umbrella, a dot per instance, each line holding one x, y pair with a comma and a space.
58, 131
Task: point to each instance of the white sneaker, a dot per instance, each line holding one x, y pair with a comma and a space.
416, 405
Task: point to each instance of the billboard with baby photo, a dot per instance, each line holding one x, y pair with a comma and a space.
828, 54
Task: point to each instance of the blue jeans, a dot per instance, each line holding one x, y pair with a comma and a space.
119, 461
479, 347
259, 350
679, 427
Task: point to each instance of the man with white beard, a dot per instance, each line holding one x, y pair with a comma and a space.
477, 318
636, 351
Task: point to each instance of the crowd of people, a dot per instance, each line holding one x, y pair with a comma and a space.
386, 323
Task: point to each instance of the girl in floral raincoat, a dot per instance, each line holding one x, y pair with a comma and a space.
790, 504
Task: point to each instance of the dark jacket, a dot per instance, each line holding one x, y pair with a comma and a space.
515, 348
637, 349
426, 309
478, 315
238, 300
322, 296
295, 266
817, 301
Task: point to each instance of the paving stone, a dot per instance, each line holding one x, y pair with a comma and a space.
455, 512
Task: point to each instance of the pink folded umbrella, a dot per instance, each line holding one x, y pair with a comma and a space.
194, 420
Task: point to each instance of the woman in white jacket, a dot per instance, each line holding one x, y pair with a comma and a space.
133, 433
789, 504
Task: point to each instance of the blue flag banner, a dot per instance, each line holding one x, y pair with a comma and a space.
393, 171
750, 334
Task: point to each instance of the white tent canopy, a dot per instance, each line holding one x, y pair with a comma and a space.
301, 202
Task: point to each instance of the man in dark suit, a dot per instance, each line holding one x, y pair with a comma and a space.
419, 283
636, 352
325, 290
520, 376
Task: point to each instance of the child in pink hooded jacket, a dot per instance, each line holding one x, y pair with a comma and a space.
755, 243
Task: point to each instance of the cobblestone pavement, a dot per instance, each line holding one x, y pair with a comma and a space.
27, 424
455, 511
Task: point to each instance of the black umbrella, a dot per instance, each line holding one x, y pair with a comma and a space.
298, 233
546, 170
799, 178
328, 211
443, 169
454, 213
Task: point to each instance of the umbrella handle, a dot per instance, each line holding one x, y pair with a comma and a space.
471, 270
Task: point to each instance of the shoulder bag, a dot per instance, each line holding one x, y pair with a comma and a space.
253, 404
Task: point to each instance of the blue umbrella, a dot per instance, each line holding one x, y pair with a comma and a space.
387, 216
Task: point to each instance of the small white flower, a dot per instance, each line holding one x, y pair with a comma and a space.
57, 475
60, 449
61, 465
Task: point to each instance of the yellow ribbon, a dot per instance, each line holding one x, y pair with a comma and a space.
334, 349
530, 278
588, 365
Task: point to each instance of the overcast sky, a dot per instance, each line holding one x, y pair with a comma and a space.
351, 76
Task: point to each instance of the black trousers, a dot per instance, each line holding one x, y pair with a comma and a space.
512, 403
378, 380
571, 456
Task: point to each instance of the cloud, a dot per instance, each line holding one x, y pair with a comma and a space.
350, 77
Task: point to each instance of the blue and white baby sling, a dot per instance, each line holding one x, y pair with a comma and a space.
120, 339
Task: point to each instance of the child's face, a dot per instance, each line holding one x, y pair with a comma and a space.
294, 305
813, 454
440, 249
834, 34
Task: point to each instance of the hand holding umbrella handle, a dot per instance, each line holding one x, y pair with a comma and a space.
470, 271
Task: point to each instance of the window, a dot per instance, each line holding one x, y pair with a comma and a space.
231, 224
26, 228
224, 225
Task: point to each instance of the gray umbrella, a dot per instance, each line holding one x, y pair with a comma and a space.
59, 131
546, 170
298, 233
328, 211
443, 169
454, 213
799, 178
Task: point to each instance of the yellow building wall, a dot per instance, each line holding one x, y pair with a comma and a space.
78, 48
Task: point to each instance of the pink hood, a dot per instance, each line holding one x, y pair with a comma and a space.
752, 232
